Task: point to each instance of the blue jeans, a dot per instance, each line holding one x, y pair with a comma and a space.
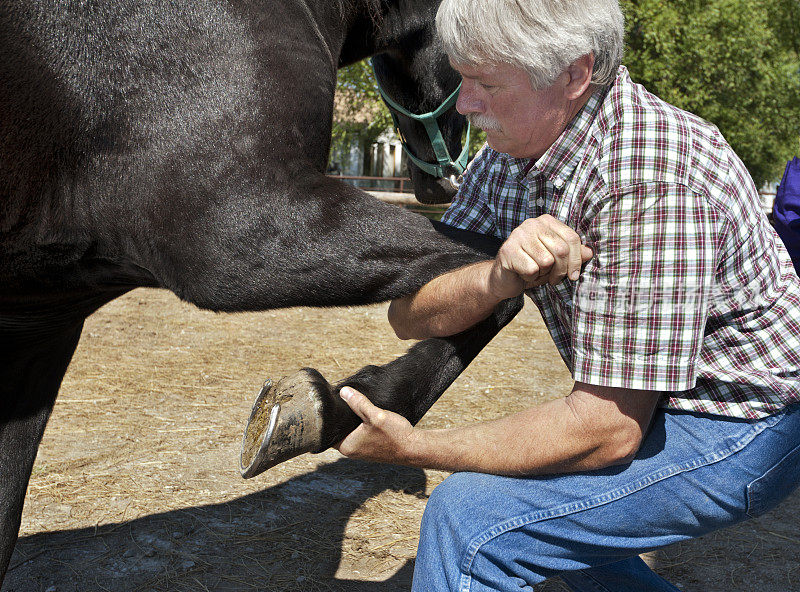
693, 474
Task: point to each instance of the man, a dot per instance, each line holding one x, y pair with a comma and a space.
680, 330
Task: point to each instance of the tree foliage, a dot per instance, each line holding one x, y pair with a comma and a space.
359, 107
732, 62
735, 63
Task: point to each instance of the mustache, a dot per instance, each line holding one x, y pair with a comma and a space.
483, 122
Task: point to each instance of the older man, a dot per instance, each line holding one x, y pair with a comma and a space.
637, 232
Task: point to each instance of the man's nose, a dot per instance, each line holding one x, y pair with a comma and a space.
468, 101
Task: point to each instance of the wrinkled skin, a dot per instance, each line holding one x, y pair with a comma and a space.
182, 145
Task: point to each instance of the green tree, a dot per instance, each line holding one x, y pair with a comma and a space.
732, 62
735, 63
359, 112
786, 24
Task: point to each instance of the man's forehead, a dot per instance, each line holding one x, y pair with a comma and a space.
482, 71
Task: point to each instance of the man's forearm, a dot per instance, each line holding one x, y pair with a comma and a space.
589, 429
446, 305
514, 445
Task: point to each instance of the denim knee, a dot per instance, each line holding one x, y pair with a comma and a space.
459, 487
463, 537
451, 505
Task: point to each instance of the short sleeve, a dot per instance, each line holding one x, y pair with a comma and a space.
641, 303
469, 209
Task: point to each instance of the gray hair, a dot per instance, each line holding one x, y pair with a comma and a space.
543, 37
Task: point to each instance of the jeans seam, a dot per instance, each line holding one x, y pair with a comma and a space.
466, 582
606, 498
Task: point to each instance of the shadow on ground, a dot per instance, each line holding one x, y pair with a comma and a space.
290, 537
287, 537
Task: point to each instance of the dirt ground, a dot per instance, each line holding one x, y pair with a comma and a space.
136, 486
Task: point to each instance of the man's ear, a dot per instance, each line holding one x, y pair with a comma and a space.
580, 76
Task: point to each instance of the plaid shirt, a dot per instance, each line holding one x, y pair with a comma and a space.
689, 291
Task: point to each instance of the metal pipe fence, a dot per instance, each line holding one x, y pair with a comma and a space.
395, 184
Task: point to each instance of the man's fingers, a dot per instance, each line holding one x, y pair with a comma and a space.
553, 245
558, 252
563, 248
521, 263
574, 250
543, 250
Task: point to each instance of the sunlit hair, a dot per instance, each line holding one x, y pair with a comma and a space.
542, 37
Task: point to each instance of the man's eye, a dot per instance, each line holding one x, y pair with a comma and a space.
488, 86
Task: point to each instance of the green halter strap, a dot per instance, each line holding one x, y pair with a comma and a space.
444, 164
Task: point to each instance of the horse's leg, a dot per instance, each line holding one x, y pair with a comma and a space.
32, 367
319, 242
412, 383
304, 413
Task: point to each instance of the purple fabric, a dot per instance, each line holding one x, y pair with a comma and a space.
786, 211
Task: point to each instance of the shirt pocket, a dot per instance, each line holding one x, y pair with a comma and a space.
776, 484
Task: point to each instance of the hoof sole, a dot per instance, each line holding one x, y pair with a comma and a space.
286, 421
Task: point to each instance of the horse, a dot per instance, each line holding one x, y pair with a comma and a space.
182, 145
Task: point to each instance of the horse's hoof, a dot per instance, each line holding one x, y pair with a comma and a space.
286, 421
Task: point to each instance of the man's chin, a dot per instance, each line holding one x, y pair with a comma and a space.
496, 144
504, 149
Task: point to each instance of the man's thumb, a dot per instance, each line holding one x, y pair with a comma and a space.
357, 402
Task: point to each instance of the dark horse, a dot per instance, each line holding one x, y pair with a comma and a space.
182, 145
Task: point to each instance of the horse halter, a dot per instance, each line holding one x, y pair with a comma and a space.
439, 169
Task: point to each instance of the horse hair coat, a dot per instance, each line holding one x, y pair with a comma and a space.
182, 145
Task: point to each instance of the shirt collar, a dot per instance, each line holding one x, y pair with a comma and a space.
518, 168
560, 160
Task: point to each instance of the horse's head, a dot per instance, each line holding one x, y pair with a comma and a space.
420, 89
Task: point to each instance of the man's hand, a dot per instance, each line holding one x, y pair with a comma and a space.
538, 251
382, 437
